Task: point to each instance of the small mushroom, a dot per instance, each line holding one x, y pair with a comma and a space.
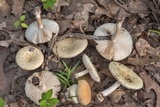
124, 76
69, 47
120, 45
80, 93
84, 92
29, 58
71, 93
40, 82
90, 69
41, 31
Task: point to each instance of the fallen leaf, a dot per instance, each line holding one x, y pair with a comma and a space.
4, 7
17, 7
3, 80
137, 6
116, 95
151, 85
143, 47
127, 104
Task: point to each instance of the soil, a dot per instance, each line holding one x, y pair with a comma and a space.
83, 17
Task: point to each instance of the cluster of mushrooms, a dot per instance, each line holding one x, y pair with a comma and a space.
118, 48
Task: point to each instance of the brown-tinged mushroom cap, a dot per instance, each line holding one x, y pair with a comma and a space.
90, 68
114, 49
125, 76
40, 82
84, 92
29, 58
69, 47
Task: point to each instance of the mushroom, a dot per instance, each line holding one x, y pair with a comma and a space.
80, 93
71, 93
124, 76
40, 82
90, 69
29, 58
69, 47
41, 31
120, 45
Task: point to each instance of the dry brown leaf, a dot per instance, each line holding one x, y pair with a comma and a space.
137, 6
17, 7
116, 95
3, 80
143, 47
127, 104
4, 7
151, 85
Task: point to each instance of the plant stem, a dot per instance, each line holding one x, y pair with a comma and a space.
117, 32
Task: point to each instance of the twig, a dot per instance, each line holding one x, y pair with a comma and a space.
90, 37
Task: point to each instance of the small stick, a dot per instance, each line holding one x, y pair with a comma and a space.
82, 36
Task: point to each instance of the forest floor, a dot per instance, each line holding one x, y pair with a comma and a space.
142, 21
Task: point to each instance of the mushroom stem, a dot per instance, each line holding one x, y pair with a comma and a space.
80, 74
38, 17
107, 91
117, 32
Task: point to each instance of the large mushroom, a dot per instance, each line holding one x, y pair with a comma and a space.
120, 45
80, 93
90, 69
124, 76
29, 58
40, 82
41, 30
69, 47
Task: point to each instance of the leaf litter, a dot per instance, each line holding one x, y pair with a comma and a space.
81, 17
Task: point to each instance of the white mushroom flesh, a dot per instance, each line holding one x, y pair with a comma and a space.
125, 76
47, 80
69, 47
29, 58
119, 49
72, 93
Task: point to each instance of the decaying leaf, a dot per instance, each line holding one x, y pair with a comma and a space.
137, 6
17, 7
143, 47
116, 95
4, 7
151, 85
147, 60
3, 80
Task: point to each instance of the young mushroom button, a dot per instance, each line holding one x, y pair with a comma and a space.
40, 82
41, 31
29, 58
120, 45
69, 47
80, 93
124, 77
90, 69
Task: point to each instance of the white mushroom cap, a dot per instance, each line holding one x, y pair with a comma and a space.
69, 47
120, 48
47, 80
84, 92
125, 76
72, 93
36, 35
29, 58
90, 68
